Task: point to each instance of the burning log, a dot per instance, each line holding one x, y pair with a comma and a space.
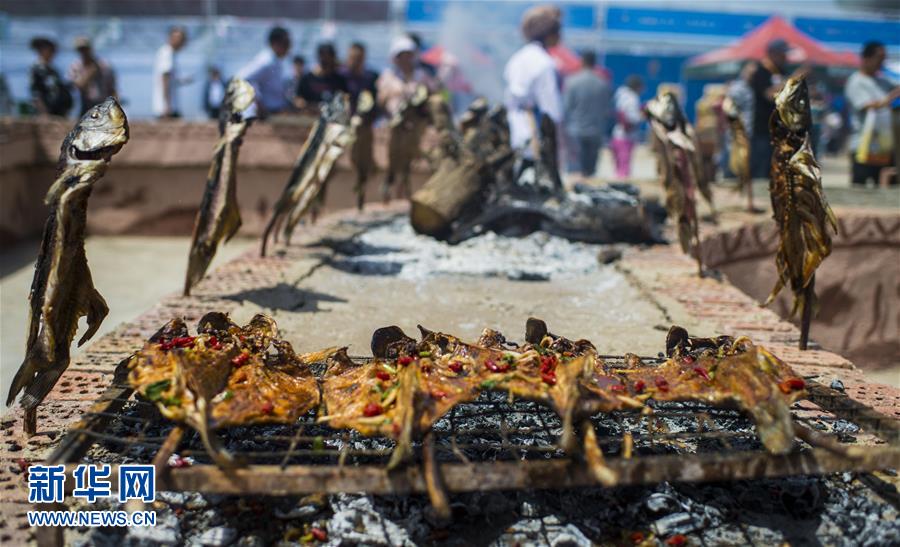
798, 202
465, 165
62, 291
219, 218
331, 134
675, 159
406, 129
739, 151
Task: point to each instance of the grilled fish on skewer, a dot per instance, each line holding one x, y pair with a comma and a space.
62, 290
406, 129
803, 216
225, 376
739, 150
330, 136
219, 218
674, 155
361, 152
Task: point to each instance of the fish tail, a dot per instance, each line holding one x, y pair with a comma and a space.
23, 377
39, 387
222, 457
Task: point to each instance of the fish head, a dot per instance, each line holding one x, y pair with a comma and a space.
100, 133
239, 95
664, 108
792, 104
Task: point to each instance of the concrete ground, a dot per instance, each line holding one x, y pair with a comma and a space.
132, 273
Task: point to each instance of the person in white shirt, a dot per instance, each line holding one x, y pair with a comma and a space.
532, 84
165, 75
627, 107
266, 74
870, 98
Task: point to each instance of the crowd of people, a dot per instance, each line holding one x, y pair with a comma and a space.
588, 114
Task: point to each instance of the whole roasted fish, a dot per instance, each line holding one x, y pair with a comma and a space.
330, 136
62, 290
675, 153
219, 217
362, 151
739, 149
406, 129
805, 220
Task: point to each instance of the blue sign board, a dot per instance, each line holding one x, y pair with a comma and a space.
575, 16
850, 31
681, 22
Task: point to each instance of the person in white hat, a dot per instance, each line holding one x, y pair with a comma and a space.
399, 81
532, 85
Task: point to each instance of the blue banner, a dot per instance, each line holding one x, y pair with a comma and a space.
575, 16
850, 31
681, 22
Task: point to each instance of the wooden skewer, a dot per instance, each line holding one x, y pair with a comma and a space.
808, 295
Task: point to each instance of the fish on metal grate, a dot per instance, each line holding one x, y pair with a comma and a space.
62, 290
219, 217
226, 375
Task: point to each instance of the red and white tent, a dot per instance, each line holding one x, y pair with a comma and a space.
752, 46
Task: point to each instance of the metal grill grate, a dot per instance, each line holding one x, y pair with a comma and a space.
492, 443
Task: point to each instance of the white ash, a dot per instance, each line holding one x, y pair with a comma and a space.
395, 249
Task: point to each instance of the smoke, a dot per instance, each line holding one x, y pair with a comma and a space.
480, 51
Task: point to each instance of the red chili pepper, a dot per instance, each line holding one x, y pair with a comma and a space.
617, 387
677, 539
549, 378
701, 372
426, 368
456, 367
319, 534
383, 375
373, 409
183, 341
267, 407
661, 383
494, 367
178, 462
792, 384
241, 359
637, 537
639, 386
548, 363
405, 360
214, 343
438, 394
688, 359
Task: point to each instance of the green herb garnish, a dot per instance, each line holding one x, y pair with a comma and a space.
318, 443
424, 354
154, 391
489, 384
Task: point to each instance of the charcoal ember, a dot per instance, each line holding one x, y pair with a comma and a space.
217, 537
356, 521
837, 385
844, 428
662, 503
678, 523
250, 541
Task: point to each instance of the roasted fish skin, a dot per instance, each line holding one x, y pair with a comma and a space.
219, 217
805, 220
62, 290
332, 133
